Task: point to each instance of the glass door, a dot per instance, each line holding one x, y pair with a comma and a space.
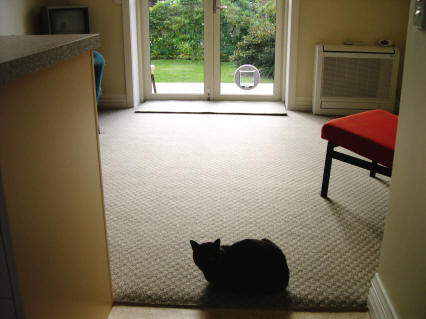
174, 64
212, 49
247, 44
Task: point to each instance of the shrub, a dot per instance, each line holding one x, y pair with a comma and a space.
176, 29
234, 25
247, 31
258, 46
258, 49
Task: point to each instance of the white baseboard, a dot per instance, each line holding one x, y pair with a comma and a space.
379, 305
302, 104
113, 101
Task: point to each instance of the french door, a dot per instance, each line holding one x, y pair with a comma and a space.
212, 49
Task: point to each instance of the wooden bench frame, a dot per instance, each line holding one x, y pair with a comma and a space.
373, 167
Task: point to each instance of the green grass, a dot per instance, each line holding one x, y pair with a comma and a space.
178, 71
191, 71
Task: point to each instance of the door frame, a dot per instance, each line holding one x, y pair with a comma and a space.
134, 31
144, 52
279, 60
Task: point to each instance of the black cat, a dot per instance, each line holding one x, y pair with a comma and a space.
248, 266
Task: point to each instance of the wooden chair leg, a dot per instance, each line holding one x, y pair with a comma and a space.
327, 169
373, 169
153, 83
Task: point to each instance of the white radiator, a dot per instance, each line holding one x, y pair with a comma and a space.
349, 79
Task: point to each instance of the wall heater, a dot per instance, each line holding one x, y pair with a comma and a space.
350, 79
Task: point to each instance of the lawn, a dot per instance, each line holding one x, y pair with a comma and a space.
191, 71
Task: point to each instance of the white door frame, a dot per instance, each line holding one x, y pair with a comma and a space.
291, 47
145, 52
131, 60
133, 33
279, 61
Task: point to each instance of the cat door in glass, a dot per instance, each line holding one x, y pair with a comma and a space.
247, 77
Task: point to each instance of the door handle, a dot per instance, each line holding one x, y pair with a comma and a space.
217, 7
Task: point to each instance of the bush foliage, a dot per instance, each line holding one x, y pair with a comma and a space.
258, 45
247, 31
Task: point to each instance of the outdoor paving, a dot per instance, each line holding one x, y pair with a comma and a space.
198, 88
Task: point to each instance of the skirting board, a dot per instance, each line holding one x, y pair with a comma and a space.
302, 104
113, 101
379, 305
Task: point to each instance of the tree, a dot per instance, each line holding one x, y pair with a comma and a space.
176, 29
247, 31
258, 45
234, 25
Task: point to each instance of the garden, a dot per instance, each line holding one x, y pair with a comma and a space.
177, 32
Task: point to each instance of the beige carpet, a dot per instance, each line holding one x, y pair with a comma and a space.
169, 178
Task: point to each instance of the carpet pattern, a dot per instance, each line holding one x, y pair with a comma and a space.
170, 178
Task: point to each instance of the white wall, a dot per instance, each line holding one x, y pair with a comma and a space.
402, 267
18, 17
335, 21
106, 18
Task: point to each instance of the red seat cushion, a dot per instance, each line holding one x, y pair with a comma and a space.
370, 134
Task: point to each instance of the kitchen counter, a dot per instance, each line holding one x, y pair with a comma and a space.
23, 54
50, 177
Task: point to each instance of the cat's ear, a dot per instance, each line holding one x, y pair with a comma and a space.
217, 243
194, 244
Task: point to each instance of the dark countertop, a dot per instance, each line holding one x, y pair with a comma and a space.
23, 54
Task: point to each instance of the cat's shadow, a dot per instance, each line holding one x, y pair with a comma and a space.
258, 305
244, 314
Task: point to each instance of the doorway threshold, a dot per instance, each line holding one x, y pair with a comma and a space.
147, 312
214, 107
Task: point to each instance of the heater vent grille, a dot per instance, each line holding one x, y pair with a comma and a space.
355, 77
351, 79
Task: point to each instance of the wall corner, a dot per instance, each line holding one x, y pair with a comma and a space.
379, 304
